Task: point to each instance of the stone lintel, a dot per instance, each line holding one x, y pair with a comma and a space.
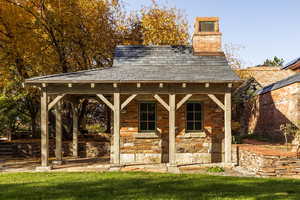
173, 169
58, 162
43, 169
115, 167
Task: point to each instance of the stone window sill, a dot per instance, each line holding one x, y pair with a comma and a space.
146, 135
193, 135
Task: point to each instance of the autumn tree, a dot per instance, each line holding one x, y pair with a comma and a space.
159, 25
41, 37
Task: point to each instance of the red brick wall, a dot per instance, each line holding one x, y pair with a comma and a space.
189, 149
265, 113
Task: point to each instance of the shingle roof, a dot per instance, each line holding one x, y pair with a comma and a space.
291, 63
280, 84
153, 63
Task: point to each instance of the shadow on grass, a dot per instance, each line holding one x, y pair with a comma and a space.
80, 186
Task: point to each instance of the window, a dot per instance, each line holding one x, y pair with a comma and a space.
147, 112
193, 116
207, 26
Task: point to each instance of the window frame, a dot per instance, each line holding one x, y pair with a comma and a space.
214, 26
139, 117
202, 117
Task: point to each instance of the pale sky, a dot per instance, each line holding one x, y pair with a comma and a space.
265, 28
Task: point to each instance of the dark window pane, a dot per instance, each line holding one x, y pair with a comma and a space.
151, 116
197, 116
207, 26
151, 107
151, 126
190, 116
198, 126
143, 116
190, 107
147, 116
190, 126
143, 126
143, 107
197, 107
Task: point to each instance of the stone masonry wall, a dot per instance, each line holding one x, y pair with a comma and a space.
202, 147
266, 112
261, 162
87, 149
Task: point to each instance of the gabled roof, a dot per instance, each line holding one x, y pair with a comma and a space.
280, 84
153, 64
290, 64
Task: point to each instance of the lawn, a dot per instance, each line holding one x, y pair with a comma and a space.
136, 185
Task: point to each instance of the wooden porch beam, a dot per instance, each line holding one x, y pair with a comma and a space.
110, 105
55, 101
172, 129
58, 132
183, 100
44, 129
127, 101
162, 102
217, 101
227, 125
116, 135
75, 129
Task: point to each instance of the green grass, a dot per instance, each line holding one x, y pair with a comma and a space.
136, 185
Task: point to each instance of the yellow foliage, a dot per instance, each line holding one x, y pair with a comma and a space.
158, 25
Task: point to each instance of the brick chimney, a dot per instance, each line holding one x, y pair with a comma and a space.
207, 39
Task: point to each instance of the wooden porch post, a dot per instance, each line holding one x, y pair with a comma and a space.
116, 145
172, 134
75, 130
227, 120
58, 133
44, 129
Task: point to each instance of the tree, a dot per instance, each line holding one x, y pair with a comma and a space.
232, 54
273, 62
42, 37
159, 25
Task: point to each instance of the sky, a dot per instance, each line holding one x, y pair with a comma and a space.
264, 28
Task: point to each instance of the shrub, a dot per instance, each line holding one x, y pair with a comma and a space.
215, 170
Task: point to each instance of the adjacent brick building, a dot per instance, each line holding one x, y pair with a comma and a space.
275, 104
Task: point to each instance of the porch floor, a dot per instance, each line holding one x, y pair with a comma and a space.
102, 165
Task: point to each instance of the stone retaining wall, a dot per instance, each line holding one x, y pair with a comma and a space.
89, 149
265, 162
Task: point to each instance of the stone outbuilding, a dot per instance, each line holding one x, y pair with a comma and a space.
170, 104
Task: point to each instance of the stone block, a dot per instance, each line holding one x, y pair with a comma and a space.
173, 169
43, 169
127, 158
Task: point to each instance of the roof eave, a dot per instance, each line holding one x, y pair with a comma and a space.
129, 81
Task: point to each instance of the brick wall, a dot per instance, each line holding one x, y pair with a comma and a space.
208, 42
136, 147
266, 112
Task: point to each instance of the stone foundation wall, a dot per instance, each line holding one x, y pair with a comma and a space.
202, 147
266, 112
87, 149
268, 164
